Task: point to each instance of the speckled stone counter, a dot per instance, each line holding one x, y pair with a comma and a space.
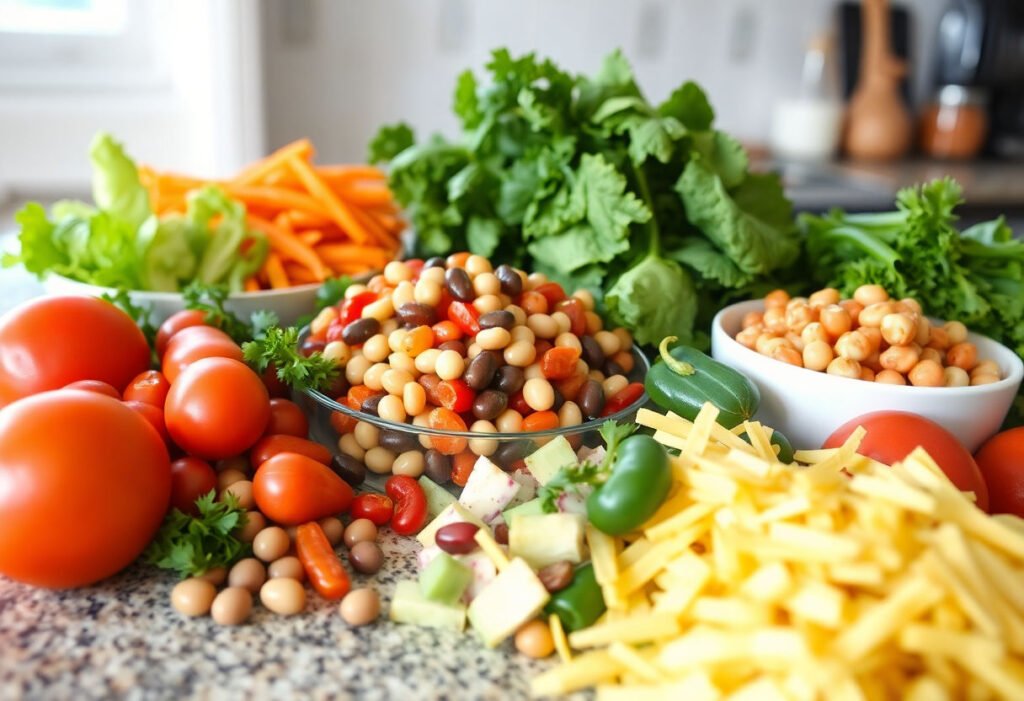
122, 639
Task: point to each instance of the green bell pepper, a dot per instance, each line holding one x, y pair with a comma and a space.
638, 484
579, 604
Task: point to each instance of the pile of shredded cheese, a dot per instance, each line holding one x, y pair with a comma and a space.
836, 578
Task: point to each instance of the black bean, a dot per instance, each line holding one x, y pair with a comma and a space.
509, 379
511, 283
339, 386
497, 319
508, 452
592, 353
360, 330
398, 441
612, 368
349, 469
457, 346
458, 283
369, 405
559, 399
489, 404
591, 399
438, 467
481, 369
435, 262
415, 314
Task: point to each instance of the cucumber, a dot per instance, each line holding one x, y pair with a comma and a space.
708, 380
785, 453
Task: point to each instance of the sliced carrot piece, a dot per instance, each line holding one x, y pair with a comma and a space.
287, 245
339, 211
261, 169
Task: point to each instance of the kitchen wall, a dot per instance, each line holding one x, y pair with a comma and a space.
337, 69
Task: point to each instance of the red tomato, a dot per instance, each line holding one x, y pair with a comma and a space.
175, 323
287, 417
95, 386
51, 341
552, 292
893, 435
291, 489
447, 420
191, 478
270, 445
352, 308
455, 395
153, 415
1001, 461
559, 363
623, 398
217, 408
376, 507
462, 466
194, 343
150, 387
465, 316
85, 486
540, 421
410, 504
275, 388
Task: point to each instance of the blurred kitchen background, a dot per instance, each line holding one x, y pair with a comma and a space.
203, 86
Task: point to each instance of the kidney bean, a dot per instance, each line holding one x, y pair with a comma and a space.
438, 467
457, 346
613, 368
360, 330
369, 405
556, 576
459, 285
592, 353
507, 454
311, 345
349, 469
435, 262
501, 534
398, 441
414, 314
410, 504
498, 319
457, 538
509, 379
489, 404
511, 283
481, 369
591, 399
429, 384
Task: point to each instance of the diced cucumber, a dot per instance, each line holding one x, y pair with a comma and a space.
547, 460
514, 597
445, 579
410, 606
437, 496
526, 509
542, 539
453, 513
488, 490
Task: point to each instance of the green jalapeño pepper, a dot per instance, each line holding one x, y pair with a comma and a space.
579, 604
637, 485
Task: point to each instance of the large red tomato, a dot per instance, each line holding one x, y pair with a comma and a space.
1001, 460
893, 435
53, 341
84, 485
195, 342
217, 408
175, 323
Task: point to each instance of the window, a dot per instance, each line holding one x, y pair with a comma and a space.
62, 16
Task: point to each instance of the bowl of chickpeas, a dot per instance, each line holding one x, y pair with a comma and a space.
822, 360
449, 359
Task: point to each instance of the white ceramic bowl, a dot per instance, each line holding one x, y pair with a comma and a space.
808, 406
289, 304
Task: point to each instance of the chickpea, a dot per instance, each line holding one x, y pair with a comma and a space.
488, 303
433, 274
853, 345
534, 640
353, 290
795, 340
817, 355
391, 408
608, 341
543, 326
356, 368
890, 377
788, 354
563, 321
476, 265
568, 339
348, 445
898, 329
594, 323
486, 284
835, 320
762, 341
520, 353
523, 333
427, 292
986, 367
532, 371
449, 365
955, 377
379, 460
814, 331
870, 294
539, 394
338, 351
963, 355
409, 463
614, 384
534, 280
776, 299
872, 362
748, 337
404, 293
775, 320
426, 362
322, 320
899, 358
625, 338
932, 354
414, 397
388, 325
938, 339
752, 319
380, 310
912, 305
924, 330
422, 420
796, 302
396, 271
874, 336
376, 348
956, 332
494, 339
518, 312
853, 308
873, 314
473, 351
367, 435
510, 421
824, 297
800, 315
374, 377
483, 446
984, 379
927, 373
570, 414
844, 367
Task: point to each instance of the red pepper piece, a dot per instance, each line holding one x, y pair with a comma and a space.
352, 308
455, 395
323, 568
623, 398
559, 363
465, 316
574, 309
552, 291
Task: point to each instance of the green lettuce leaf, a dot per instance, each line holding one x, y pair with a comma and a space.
690, 106
655, 298
116, 188
167, 257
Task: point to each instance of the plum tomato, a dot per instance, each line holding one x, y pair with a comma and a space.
290, 489
175, 323
272, 444
191, 478
286, 417
194, 343
375, 507
1001, 460
150, 387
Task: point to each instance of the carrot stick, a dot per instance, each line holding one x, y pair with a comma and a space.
299, 274
365, 195
301, 219
290, 247
297, 149
390, 222
376, 230
275, 272
311, 237
339, 211
252, 285
348, 172
274, 198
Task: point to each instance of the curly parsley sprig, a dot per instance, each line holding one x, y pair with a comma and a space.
211, 299
279, 347
192, 545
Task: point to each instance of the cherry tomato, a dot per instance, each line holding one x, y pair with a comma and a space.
270, 445
352, 308
559, 363
410, 513
360, 393
51, 341
376, 507
462, 466
623, 398
445, 331
893, 435
447, 420
445, 302
175, 323
287, 417
552, 292
94, 386
191, 478
416, 266
343, 423
194, 343
217, 408
290, 489
455, 395
465, 316
1001, 461
574, 309
540, 421
275, 388
518, 402
335, 332
153, 415
542, 346
86, 485
150, 387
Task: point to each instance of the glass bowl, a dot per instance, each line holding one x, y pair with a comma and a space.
506, 450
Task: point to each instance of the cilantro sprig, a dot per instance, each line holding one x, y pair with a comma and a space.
569, 479
279, 347
192, 545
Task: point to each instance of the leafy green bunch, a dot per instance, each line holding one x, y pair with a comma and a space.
583, 178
